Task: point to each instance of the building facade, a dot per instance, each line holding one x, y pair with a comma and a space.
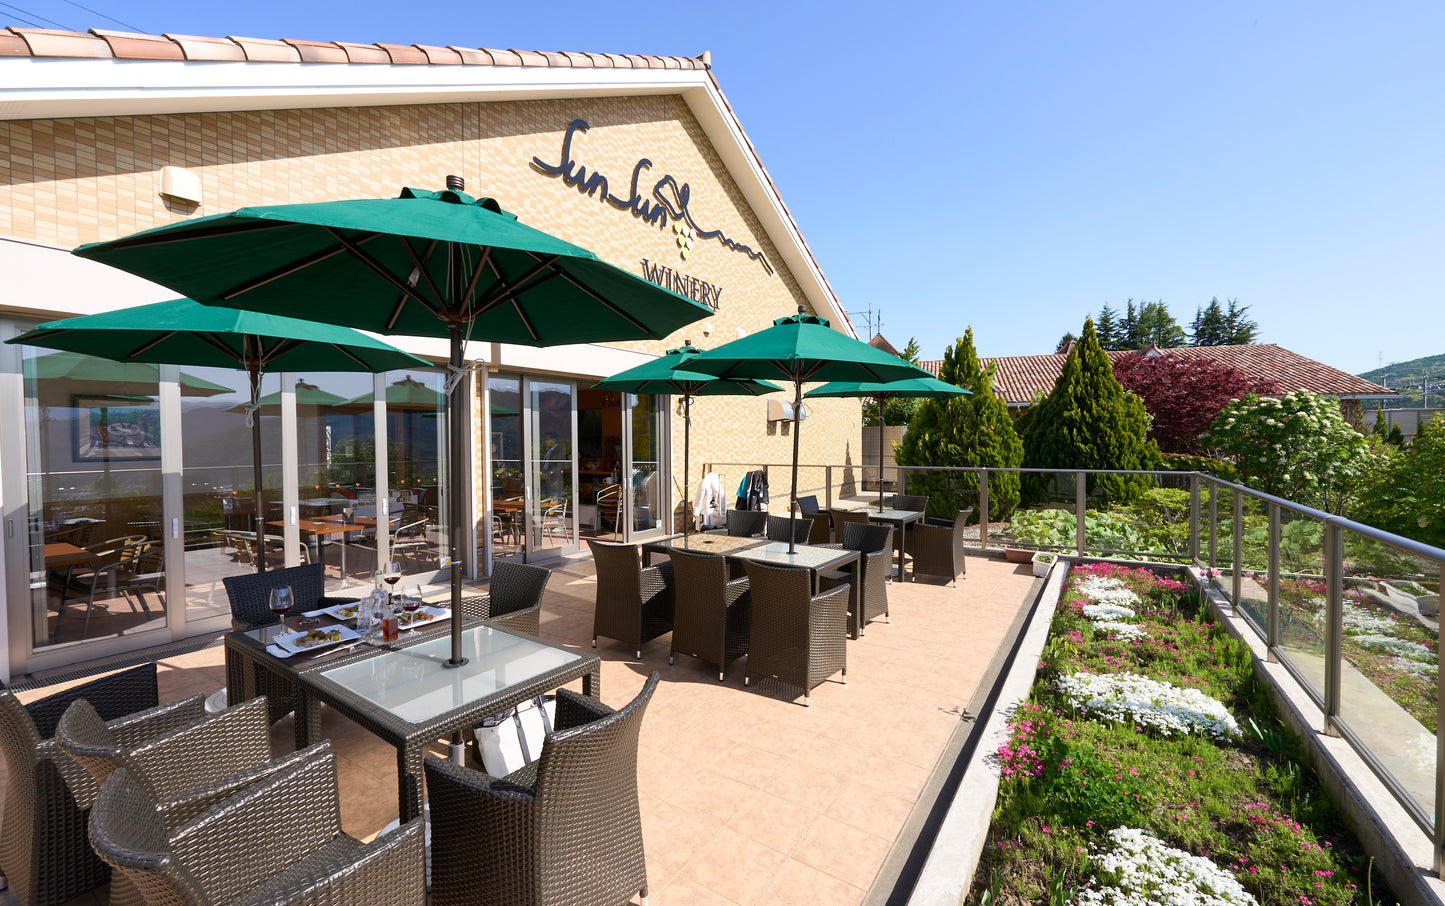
127, 490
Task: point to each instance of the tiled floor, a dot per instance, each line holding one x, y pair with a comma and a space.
747, 796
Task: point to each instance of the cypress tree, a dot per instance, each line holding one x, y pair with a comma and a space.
963, 431
1380, 430
1089, 421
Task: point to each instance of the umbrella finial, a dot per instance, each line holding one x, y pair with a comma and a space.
456, 183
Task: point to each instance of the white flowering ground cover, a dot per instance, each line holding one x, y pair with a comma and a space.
1143, 871
1131, 698
1124, 632
1108, 612
1107, 590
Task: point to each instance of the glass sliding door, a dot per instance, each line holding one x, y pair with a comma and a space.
95, 513
415, 463
219, 502
645, 450
504, 432
336, 476
551, 469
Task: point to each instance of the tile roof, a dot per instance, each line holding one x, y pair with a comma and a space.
1019, 378
103, 43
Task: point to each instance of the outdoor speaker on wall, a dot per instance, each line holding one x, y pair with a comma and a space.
181, 184
782, 411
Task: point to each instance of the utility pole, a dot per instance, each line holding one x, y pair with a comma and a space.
868, 321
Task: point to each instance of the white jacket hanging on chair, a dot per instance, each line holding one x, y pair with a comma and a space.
709, 506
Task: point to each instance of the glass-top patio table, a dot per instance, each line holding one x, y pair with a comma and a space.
408, 698
900, 520
699, 542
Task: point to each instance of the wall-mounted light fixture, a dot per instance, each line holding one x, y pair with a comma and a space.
781, 410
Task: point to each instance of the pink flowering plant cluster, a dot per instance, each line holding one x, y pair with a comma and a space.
1230, 788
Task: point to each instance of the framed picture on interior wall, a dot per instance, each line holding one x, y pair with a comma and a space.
116, 428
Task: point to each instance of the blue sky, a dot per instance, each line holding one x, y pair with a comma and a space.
1014, 166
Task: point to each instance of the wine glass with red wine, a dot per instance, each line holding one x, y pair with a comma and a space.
411, 603
281, 602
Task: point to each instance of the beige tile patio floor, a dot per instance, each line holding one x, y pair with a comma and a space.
747, 796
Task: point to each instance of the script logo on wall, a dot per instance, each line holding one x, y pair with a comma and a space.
668, 203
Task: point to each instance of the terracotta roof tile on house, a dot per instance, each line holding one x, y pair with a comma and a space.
45, 42
1018, 379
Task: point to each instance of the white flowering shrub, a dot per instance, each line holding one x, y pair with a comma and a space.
1107, 612
1124, 632
1413, 651
1418, 668
1146, 872
1131, 698
1106, 590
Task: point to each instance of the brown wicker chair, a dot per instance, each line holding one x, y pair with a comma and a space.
514, 599
564, 829
822, 527
747, 523
218, 754
915, 502
250, 594
875, 543
713, 613
938, 548
634, 605
276, 841
44, 852
840, 517
796, 637
778, 528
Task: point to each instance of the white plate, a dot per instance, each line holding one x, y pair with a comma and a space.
437, 613
335, 611
289, 642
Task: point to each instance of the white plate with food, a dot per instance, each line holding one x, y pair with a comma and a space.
315, 639
424, 616
340, 611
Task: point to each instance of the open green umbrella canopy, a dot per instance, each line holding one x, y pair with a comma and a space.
182, 332
120, 378
422, 264
412, 265
668, 375
913, 387
800, 348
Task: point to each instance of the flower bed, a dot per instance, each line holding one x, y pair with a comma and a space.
1148, 768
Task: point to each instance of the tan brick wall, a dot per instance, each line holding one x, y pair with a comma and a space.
69, 182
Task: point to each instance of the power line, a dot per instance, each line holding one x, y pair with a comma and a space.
30, 22
104, 16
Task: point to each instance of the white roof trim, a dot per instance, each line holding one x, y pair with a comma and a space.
53, 88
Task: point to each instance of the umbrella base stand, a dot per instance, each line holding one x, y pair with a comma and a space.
460, 663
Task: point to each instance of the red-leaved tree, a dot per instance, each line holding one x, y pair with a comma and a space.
1184, 394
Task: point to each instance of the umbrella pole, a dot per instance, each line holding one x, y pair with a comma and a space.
456, 415
256, 470
793, 494
686, 450
882, 426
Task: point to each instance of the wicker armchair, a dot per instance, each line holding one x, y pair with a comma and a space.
938, 548
634, 605
210, 758
276, 841
747, 523
43, 847
564, 829
796, 637
875, 543
712, 620
514, 600
915, 502
250, 594
778, 529
840, 517
821, 531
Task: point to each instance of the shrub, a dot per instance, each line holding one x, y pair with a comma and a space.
1183, 394
1406, 495
972, 430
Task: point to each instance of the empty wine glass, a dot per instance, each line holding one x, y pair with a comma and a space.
281, 603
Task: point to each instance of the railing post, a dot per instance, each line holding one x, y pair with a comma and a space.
1194, 518
1213, 523
1271, 631
1237, 585
1081, 500
828, 480
1439, 756
1334, 623
983, 509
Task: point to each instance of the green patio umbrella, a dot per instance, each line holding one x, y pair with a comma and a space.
134, 379
882, 393
440, 264
181, 332
668, 375
802, 348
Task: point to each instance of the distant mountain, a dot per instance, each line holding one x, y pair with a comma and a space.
1409, 379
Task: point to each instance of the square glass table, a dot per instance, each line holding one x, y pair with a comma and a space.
408, 698
899, 519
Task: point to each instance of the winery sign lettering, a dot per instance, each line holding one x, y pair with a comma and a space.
668, 201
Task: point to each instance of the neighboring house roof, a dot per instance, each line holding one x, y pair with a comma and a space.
101, 78
1018, 379
882, 345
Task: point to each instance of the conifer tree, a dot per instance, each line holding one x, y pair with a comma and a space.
963, 431
1089, 421
1396, 437
1108, 328
1380, 430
